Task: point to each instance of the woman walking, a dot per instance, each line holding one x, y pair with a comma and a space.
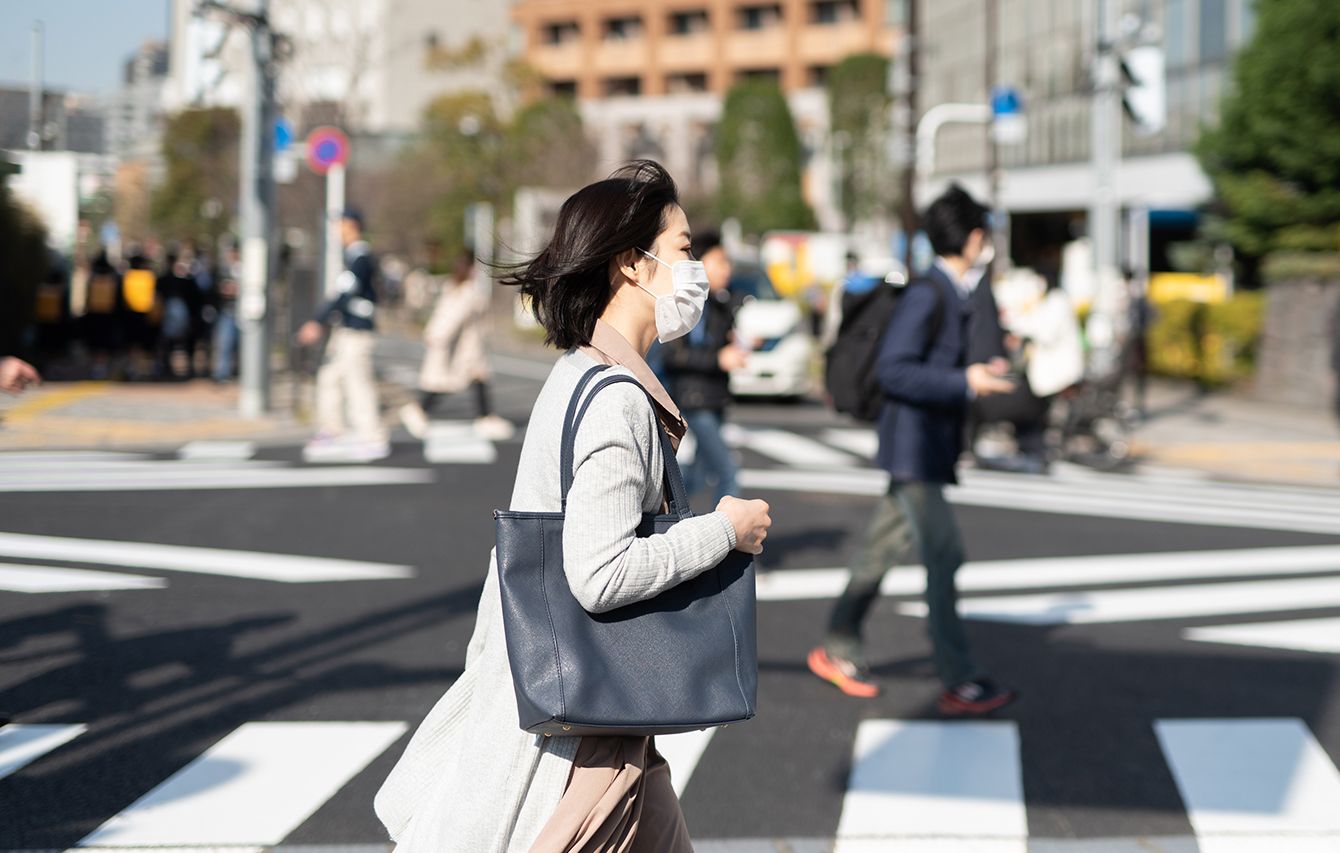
456, 359
471, 781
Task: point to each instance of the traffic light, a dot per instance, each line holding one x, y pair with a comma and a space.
1144, 91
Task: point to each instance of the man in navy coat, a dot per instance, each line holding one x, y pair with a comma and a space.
923, 371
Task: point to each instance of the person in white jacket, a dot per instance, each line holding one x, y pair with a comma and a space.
456, 359
1043, 325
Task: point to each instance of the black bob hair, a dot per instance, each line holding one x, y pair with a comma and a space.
568, 282
951, 218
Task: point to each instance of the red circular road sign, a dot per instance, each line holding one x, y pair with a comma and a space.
326, 147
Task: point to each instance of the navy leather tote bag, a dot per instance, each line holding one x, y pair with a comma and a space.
684, 660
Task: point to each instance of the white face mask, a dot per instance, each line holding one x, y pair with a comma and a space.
678, 311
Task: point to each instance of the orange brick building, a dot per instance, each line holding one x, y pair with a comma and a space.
603, 48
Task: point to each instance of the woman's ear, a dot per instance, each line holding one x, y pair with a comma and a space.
626, 265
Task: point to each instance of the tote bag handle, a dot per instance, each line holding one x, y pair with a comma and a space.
679, 501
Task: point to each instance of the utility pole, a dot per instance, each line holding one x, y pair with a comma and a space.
35, 130
905, 81
1105, 141
991, 33
256, 203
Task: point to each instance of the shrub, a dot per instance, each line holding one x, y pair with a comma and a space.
1214, 344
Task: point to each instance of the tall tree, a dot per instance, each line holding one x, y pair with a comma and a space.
198, 196
466, 154
858, 108
1275, 155
548, 146
759, 160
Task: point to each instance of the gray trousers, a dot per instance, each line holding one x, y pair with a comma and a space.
910, 514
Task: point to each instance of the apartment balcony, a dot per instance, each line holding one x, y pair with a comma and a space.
757, 48
680, 54
564, 61
614, 57
830, 43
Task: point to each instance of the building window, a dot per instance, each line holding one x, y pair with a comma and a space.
1175, 46
834, 11
1213, 30
760, 75
689, 23
817, 75
760, 17
623, 29
615, 87
683, 84
562, 32
563, 88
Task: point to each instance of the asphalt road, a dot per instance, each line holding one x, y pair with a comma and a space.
1187, 686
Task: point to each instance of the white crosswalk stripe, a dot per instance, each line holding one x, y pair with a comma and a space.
1301, 635
1136, 605
456, 443
682, 752
17, 577
1051, 572
198, 465
255, 565
928, 785
918, 785
1253, 784
1155, 495
254, 787
236, 450
790, 448
22, 744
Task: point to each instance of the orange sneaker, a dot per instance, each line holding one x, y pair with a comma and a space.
847, 676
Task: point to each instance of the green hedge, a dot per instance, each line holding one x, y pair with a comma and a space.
1291, 266
1228, 335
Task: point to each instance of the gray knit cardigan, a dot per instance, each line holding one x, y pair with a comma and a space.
471, 781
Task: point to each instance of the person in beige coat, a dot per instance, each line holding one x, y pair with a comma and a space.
471, 780
456, 359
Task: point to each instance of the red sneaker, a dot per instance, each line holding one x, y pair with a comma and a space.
975, 698
848, 676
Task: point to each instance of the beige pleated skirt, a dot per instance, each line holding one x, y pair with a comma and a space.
618, 800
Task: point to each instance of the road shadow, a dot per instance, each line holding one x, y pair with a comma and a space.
159, 699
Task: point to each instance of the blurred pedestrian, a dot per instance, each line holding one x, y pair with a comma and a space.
1048, 337
699, 366
456, 358
346, 378
101, 326
139, 285
16, 375
224, 349
472, 779
923, 369
179, 303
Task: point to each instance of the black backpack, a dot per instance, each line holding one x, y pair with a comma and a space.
849, 368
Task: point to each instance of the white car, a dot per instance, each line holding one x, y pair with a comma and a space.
775, 332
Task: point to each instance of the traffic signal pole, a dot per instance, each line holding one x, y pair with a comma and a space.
1105, 143
256, 203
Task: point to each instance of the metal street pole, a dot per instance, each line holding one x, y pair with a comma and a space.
1000, 237
904, 71
333, 263
1105, 141
256, 209
35, 92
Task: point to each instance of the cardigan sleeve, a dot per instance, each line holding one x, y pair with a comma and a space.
607, 564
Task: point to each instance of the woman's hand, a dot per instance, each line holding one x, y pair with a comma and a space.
750, 520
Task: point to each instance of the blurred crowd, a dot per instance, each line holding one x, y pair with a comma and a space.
151, 312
